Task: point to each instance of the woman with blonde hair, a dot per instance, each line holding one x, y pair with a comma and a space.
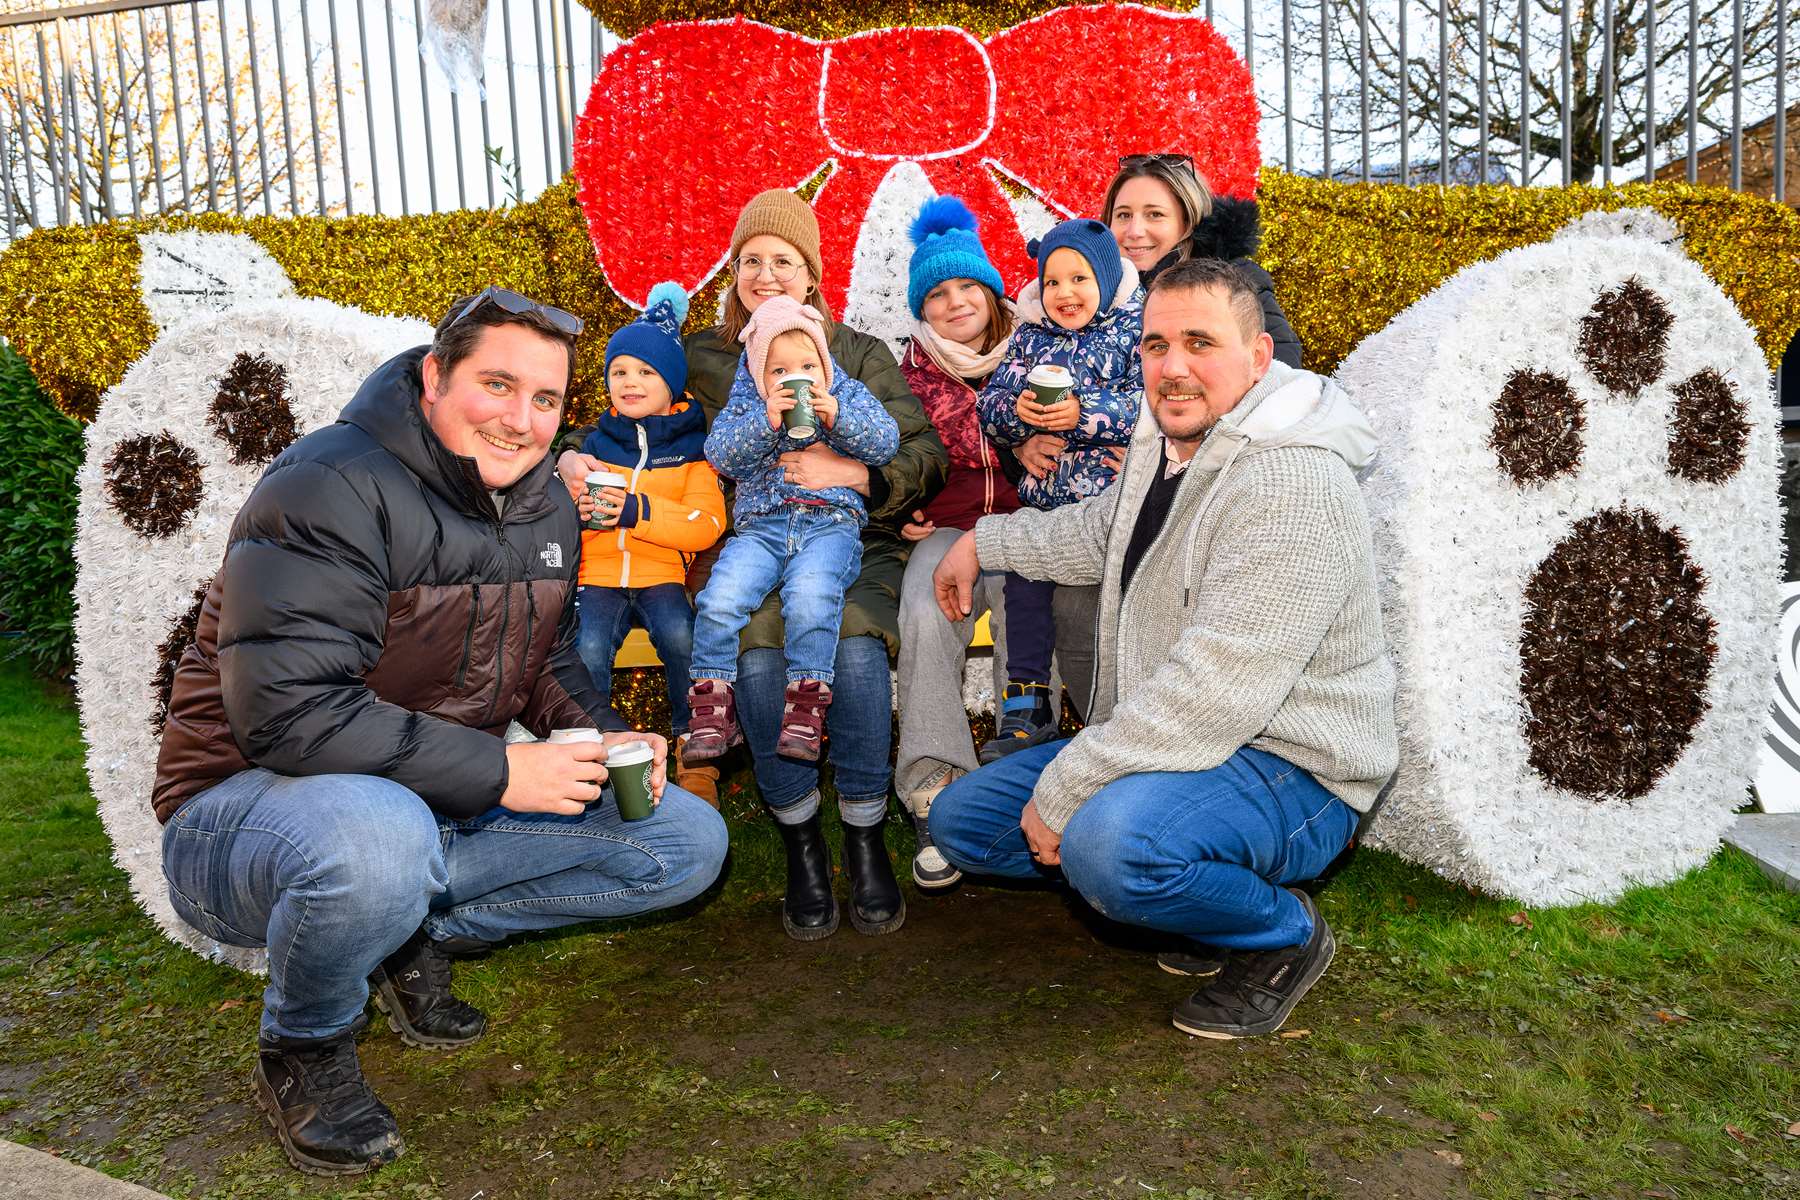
1162, 212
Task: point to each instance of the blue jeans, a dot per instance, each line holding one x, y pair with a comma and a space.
607, 615
860, 721
334, 872
1199, 853
812, 553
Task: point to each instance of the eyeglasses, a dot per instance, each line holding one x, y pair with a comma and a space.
782, 270
518, 305
1159, 160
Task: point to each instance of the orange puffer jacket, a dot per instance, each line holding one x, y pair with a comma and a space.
675, 509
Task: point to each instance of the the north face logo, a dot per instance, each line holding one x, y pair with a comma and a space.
552, 555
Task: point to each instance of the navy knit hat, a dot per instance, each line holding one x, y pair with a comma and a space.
945, 246
655, 337
1094, 242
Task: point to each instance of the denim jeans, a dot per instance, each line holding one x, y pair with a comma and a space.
1200, 853
812, 553
607, 615
334, 872
860, 721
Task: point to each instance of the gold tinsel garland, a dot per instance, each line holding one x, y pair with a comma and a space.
1348, 257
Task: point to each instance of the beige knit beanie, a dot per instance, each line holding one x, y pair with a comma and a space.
780, 213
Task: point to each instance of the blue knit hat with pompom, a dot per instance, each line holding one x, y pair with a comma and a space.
945, 247
655, 337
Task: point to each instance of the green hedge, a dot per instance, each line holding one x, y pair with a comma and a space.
39, 455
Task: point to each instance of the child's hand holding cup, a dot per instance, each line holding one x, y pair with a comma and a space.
1042, 404
608, 490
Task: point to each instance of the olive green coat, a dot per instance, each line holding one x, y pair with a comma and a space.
914, 475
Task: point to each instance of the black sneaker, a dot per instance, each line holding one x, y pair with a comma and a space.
1256, 990
1192, 958
327, 1118
1026, 719
412, 986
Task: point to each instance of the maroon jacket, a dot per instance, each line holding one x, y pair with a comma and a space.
976, 486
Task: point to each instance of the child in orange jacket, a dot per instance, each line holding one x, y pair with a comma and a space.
641, 538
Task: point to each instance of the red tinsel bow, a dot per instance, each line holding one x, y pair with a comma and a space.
689, 120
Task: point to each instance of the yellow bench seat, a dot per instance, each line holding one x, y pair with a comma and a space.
637, 651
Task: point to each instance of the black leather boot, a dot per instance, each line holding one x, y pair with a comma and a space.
328, 1119
809, 911
412, 986
876, 905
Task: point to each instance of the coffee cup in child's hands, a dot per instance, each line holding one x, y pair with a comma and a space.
799, 421
598, 482
1048, 383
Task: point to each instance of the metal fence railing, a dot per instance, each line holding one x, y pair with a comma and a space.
328, 106
280, 107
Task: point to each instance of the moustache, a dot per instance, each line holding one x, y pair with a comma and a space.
1176, 389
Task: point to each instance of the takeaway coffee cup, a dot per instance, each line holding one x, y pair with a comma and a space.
1049, 381
799, 420
628, 770
602, 479
566, 737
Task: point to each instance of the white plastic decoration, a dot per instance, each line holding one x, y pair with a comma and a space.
172, 454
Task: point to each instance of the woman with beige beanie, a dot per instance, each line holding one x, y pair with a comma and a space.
775, 252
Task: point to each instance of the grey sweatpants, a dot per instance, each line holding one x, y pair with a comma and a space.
934, 728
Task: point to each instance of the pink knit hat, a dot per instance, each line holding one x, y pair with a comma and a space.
773, 317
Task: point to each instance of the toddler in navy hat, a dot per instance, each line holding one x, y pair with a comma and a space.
1084, 313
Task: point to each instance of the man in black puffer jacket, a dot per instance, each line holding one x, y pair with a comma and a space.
334, 781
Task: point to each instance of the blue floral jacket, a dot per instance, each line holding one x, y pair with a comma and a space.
1109, 383
744, 448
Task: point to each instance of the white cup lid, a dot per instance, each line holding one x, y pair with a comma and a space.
627, 754
563, 737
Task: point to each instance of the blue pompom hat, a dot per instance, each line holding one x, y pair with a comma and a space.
1094, 242
945, 246
655, 337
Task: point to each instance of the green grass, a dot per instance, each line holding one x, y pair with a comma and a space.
995, 1047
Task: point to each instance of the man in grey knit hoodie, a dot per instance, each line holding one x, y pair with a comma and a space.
1243, 708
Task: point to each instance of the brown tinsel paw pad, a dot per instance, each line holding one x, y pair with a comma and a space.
1624, 337
168, 657
1614, 655
1708, 429
250, 412
153, 482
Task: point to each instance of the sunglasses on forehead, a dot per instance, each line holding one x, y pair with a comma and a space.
518, 305
1161, 160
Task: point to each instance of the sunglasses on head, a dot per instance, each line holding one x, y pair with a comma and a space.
1165, 160
518, 305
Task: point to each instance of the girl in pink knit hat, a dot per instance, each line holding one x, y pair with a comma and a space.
806, 541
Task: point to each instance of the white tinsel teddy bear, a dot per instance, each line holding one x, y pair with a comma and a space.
1576, 526
241, 367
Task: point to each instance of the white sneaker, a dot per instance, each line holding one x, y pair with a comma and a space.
930, 869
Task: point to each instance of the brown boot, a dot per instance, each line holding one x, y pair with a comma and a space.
699, 778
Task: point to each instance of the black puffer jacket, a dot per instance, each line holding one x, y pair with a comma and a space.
1232, 232
375, 616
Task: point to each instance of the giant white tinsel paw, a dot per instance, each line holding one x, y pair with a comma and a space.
171, 456
1575, 521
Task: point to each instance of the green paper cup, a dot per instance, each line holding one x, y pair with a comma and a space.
1049, 381
628, 770
603, 479
799, 420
